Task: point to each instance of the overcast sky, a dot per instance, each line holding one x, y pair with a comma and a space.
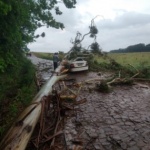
120, 23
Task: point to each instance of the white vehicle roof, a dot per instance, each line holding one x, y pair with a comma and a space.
79, 58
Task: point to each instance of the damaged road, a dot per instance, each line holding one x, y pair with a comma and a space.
107, 121
112, 121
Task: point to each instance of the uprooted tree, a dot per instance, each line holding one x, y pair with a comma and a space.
20, 132
77, 42
103, 85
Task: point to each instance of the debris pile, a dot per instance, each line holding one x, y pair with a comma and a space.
50, 133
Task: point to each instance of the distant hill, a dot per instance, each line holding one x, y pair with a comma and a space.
133, 48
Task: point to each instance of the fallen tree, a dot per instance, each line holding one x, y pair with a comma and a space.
20, 132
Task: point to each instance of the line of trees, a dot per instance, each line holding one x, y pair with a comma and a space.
133, 48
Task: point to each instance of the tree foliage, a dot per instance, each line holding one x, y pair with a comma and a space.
77, 46
95, 48
19, 20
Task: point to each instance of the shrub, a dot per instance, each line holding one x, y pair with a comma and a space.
16, 93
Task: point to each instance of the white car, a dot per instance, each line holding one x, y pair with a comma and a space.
78, 64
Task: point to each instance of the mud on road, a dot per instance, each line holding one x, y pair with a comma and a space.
119, 120
112, 121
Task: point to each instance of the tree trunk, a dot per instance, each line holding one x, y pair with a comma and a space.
19, 134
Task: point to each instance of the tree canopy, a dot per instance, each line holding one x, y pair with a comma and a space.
19, 20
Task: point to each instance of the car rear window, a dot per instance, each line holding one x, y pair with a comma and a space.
79, 59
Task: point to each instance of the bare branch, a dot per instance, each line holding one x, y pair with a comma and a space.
84, 36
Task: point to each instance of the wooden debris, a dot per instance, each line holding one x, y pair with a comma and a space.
68, 97
82, 101
77, 147
77, 141
18, 136
67, 106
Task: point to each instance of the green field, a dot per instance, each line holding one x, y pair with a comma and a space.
48, 56
135, 59
125, 61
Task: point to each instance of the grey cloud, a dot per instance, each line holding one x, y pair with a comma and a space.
126, 29
121, 38
127, 19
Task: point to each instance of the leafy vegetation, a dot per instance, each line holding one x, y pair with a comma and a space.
114, 62
123, 62
19, 20
103, 87
134, 59
95, 48
77, 48
17, 91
